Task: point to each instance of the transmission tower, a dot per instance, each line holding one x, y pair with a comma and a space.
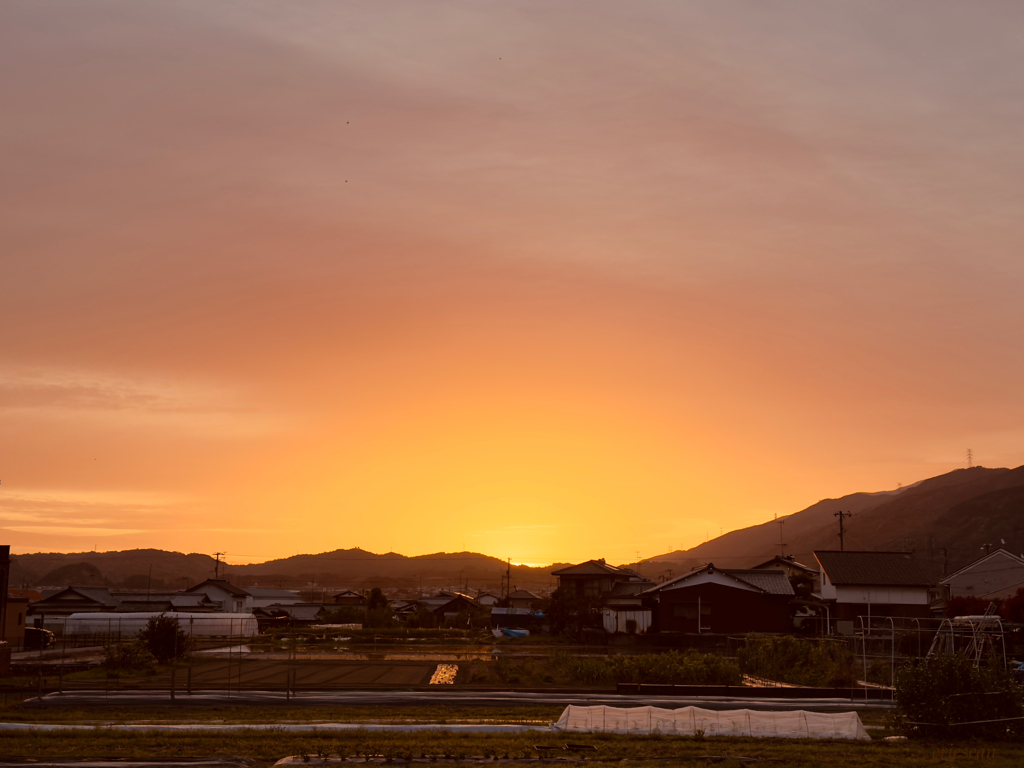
970, 458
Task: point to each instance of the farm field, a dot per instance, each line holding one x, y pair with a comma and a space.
264, 748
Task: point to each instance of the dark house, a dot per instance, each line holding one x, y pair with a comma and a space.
74, 600
348, 597
594, 578
292, 615
711, 600
522, 598
455, 605
793, 569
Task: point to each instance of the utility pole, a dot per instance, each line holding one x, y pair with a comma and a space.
508, 585
842, 529
782, 543
216, 567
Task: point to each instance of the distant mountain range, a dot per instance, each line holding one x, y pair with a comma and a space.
343, 568
946, 520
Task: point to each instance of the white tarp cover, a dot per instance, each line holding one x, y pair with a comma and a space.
686, 721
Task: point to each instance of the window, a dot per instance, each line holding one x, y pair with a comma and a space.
688, 611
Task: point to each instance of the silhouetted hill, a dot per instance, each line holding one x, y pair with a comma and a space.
959, 511
125, 568
342, 568
945, 520
358, 567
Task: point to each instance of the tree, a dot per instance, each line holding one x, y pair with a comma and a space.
570, 614
376, 599
965, 605
947, 697
165, 639
1013, 607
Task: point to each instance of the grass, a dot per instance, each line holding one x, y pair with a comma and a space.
448, 713
265, 748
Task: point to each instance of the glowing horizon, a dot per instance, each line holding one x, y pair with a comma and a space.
543, 282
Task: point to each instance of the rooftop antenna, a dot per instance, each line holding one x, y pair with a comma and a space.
842, 530
970, 458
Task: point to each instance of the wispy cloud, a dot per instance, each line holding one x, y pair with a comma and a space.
68, 530
61, 394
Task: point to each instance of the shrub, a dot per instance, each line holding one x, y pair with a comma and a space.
1013, 607
582, 670
691, 667
127, 657
687, 668
818, 663
937, 697
965, 605
165, 639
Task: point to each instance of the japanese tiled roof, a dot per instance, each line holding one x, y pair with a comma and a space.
896, 569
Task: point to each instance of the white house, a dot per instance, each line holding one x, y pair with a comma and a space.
872, 585
998, 574
232, 599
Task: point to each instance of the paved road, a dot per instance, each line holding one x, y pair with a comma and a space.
440, 698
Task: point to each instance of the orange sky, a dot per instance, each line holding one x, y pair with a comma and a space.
547, 281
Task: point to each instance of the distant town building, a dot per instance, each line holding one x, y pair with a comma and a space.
232, 599
348, 597
521, 598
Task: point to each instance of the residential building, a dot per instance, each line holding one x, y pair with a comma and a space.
5, 580
13, 629
594, 578
348, 597
232, 599
487, 599
708, 599
872, 585
186, 602
793, 570
64, 602
288, 615
261, 597
521, 598
456, 604
995, 575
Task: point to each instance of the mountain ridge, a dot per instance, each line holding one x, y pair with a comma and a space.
945, 520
